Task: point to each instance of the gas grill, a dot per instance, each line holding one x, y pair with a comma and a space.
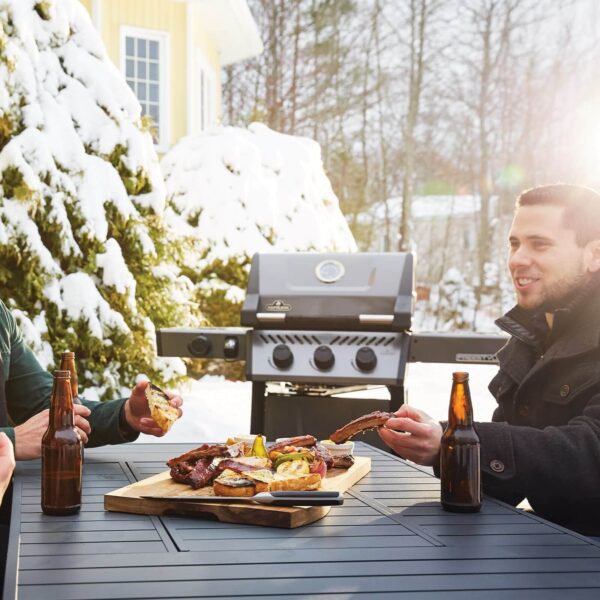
317, 325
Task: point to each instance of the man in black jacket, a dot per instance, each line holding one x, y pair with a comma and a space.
543, 443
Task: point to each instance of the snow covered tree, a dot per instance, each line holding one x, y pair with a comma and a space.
456, 299
236, 191
85, 260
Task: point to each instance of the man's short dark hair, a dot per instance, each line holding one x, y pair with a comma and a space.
581, 204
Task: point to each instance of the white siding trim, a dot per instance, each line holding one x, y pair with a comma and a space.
206, 112
97, 15
163, 38
189, 81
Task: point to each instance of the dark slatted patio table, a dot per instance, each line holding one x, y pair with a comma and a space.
390, 539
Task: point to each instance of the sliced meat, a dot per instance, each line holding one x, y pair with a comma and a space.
204, 451
181, 470
324, 454
239, 466
364, 423
197, 475
203, 473
342, 462
300, 441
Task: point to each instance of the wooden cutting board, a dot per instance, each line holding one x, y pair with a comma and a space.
128, 499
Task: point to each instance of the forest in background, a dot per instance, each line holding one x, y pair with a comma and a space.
424, 97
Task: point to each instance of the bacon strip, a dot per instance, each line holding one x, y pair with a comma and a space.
364, 423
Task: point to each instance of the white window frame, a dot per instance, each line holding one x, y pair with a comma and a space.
164, 99
206, 108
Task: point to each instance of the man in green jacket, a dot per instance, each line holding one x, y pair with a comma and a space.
27, 391
543, 443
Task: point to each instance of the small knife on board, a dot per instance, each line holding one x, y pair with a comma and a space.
271, 498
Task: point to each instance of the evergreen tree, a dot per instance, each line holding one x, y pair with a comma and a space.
85, 260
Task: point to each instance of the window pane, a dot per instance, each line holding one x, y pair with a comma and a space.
141, 91
153, 92
153, 111
153, 76
153, 50
129, 68
141, 48
141, 69
129, 46
131, 85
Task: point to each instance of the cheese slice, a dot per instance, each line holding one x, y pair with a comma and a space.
161, 411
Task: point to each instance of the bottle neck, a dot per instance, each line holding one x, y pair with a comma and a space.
460, 413
61, 407
68, 364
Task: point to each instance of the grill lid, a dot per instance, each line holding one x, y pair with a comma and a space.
368, 291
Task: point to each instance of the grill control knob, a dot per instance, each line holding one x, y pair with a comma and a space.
200, 346
230, 347
366, 359
283, 356
324, 358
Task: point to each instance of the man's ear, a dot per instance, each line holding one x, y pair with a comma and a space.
592, 256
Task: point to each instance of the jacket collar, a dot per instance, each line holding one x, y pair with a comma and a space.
579, 318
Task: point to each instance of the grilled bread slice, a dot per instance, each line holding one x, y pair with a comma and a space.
230, 483
161, 411
263, 480
280, 483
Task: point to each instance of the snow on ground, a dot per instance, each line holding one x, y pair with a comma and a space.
214, 409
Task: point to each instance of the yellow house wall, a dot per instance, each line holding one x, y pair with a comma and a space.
171, 17
161, 15
203, 43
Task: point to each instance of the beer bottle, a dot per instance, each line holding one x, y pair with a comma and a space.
61, 453
67, 363
459, 455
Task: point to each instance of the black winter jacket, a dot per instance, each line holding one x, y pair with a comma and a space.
544, 441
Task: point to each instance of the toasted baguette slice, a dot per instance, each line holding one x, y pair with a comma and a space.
161, 411
312, 481
261, 478
233, 484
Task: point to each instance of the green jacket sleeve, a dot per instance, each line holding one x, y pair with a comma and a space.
29, 388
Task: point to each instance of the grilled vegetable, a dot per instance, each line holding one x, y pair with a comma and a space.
294, 467
258, 448
291, 456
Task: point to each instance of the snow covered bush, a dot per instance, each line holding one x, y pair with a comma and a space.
234, 192
85, 260
456, 301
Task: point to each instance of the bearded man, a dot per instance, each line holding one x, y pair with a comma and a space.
543, 443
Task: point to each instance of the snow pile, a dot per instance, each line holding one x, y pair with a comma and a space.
271, 186
233, 192
80, 192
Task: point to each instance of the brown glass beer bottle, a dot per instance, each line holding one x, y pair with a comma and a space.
459, 455
62, 451
67, 363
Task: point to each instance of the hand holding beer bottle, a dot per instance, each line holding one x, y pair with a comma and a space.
62, 453
460, 449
